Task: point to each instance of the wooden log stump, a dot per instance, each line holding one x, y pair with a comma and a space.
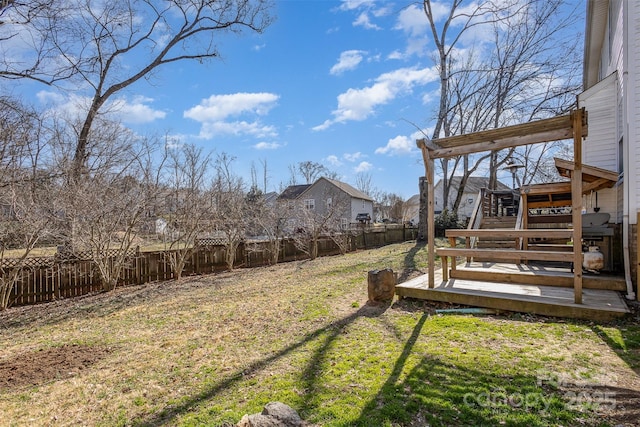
381, 285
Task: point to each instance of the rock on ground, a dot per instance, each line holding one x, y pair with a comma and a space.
274, 414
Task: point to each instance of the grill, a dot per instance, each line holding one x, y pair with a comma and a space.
596, 232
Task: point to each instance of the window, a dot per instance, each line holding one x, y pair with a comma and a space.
344, 223
363, 202
621, 155
329, 203
310, 204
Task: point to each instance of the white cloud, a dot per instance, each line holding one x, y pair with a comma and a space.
352, 157
135, 111
46, 97
213, 113
324, 126
400, 145
333, 160
363, 21
359, 104
220, 107
267, 146
256, 129
366, 8
355, 4
396, 54
383, 11
412, 21
363, 167
349, 60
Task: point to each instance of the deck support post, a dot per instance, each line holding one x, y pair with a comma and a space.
429, 175
452, 243
576, 202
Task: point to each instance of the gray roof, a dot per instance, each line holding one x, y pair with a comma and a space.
474, 184
413, 200
270, 197
293, 191
357, 194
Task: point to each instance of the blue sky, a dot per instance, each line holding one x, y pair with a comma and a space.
342, 83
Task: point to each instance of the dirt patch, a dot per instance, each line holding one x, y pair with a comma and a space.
48, 364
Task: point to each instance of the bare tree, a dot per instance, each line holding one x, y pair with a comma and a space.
519, 76
326, 216
104, 211
106, 47
268, 221
311, 171
186, 204
28, 196
390, 206
446, 45
230, 206
363, 183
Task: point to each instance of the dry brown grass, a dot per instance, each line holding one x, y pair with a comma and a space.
160, 337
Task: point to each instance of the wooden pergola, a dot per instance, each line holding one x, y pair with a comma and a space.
571, 126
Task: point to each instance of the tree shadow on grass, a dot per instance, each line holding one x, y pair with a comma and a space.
626, 346
334, 329
410, 265
438, 392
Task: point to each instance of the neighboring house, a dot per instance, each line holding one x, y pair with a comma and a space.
271, 198
287, 203
470, 194
325, 195
611, 95
412, 209
331, 192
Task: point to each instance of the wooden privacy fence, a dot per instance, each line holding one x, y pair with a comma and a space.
45, 279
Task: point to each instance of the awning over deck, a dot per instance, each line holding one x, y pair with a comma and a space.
558, 194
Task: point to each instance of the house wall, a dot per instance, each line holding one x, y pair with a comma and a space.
620, 55
349, 206
600, 147
360, 206
464, 210
320, 192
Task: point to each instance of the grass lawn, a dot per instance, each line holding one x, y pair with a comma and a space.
207, 350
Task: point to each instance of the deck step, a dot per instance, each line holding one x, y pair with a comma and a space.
496, 244
506, 254
498, 222
608, 283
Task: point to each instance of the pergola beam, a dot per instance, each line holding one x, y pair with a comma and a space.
546, 130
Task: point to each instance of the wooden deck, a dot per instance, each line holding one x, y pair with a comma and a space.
558, 301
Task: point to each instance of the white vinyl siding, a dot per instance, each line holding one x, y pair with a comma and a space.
600, 147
